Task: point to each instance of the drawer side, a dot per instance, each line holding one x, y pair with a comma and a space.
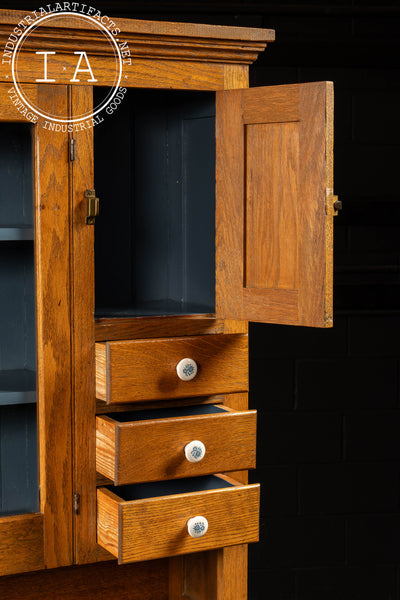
108, 521
106, 447
101, 371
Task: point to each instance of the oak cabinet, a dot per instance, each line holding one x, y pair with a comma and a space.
216, 208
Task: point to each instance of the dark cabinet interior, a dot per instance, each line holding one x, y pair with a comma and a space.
155, 489
18, 429
155, 176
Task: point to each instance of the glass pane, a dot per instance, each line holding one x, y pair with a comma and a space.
18, 420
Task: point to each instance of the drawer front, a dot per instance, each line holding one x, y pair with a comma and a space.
157, 527
137, 370
154, 450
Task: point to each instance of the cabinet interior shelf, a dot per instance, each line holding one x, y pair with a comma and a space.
17, 387
16, 234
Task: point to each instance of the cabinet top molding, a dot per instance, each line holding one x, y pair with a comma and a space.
147, 39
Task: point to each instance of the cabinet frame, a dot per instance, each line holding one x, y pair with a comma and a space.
166, 55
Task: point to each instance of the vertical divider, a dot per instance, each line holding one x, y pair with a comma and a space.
83, 360
52, 266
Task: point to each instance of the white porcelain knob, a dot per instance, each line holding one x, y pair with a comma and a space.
195, 451
197, 526
186, 369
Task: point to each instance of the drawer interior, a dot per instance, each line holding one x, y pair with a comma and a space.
140, 491
166, 413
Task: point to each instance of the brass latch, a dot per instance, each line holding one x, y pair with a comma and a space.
337, 205
92, 206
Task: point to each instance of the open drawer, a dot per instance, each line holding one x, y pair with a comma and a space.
159, 369
146, 521
170, 443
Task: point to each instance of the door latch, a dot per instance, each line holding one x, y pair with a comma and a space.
92, 206
337, 205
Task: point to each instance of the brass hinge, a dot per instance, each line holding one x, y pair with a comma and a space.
72, 149
77, 503
92, 206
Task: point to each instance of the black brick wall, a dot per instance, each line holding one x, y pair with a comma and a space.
328, 401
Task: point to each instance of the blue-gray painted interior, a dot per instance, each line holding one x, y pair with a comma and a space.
166, 413
155, 176
154, 489
18, 419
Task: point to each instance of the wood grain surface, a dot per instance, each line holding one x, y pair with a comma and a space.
157, 28
108, 517
101, 581
274, 255
147, 39
232, 573
271, 234
21, 544
200, 575
238, 402
156, 54
217, 574
53, 309
154, 327
146, 369
140, 327
125, 452
141, 73
8, 112
232, 514
82, 299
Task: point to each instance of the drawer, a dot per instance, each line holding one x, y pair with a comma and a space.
146, 521
150, 445
134, 370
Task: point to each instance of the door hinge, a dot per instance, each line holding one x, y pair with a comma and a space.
72, 149
77, 503
92, 206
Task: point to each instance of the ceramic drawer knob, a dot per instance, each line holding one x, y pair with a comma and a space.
195, 451
197, 526
186, 369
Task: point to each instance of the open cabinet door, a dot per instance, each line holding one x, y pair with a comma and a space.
274, 214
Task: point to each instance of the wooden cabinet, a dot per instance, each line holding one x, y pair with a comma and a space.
216, 209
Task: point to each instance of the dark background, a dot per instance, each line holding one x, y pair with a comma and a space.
328, 401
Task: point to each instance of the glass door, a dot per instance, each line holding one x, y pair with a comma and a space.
35, 338
18, 419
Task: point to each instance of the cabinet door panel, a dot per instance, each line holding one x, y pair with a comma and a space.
35, 375
274, 204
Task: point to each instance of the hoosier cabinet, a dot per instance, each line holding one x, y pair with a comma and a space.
135, 246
